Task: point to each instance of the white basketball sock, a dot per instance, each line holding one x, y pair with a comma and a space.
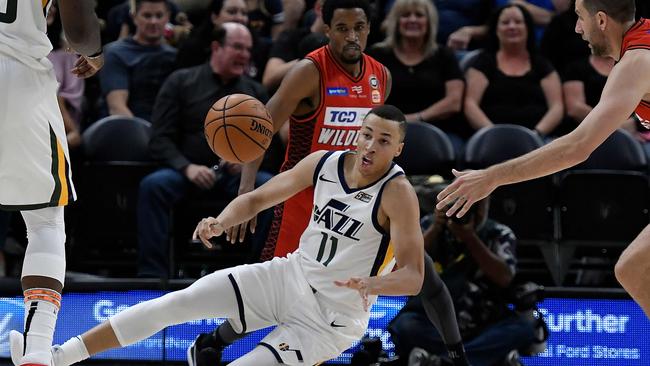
72, 351
41, 310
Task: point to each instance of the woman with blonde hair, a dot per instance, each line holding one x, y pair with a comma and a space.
427, 81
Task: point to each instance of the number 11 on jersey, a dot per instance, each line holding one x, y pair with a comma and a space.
8, 10
321, 250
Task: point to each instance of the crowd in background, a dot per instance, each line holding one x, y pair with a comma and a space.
460, 65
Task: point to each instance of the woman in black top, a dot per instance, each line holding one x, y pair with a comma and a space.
509, 82
427, 81
583, 82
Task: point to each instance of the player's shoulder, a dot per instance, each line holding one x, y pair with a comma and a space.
398, 194
397, 187
304, 73
635, 59
319, 155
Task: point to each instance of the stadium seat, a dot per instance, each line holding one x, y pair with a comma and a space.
116, 158
528, 207
427, 151
594, 210
604, 203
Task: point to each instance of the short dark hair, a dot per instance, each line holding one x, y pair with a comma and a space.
619, 10
329, 6
391, 113
138, 4
493, 44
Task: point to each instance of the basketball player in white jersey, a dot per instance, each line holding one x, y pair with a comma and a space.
34, 162
365, 213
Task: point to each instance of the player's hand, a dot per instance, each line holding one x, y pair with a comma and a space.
359, 284
207, 229
86, 67
202, 176
469, 187
238, 232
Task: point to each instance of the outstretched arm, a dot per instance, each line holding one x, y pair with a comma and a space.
81, 28
400, 205
299, 84
627, 84
244, 207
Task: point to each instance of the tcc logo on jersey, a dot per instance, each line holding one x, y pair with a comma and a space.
334, 218
341, 116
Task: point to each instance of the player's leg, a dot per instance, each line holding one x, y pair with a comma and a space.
439, 307
207, 347
158, 193
633, 269
209, 297
259, 356
42, 280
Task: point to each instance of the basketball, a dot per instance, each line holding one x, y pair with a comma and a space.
238, 128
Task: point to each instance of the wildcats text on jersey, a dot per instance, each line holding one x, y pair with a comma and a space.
334, 218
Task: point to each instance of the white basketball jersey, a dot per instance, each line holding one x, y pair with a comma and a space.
23, 31
344, 238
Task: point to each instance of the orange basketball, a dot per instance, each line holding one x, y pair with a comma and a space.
238, 128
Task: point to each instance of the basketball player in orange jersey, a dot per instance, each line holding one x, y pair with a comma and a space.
324, 97
610, 29
34, 162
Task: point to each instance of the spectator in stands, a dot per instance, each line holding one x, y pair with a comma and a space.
427, 82
71, 88
196, 49
583, 82
542, 11
178, 141
510, 82
266, 17
120, 24
561, 44
463, 23
136, 67
285, 51
477, 259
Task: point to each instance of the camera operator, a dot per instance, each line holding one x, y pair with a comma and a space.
476, 259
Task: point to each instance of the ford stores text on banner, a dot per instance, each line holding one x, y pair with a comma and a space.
582, 331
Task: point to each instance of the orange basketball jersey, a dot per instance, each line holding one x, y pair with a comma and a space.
344, 102
638, 37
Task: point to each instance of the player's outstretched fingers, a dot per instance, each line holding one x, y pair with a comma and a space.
228, 233
234, 234
253, 224
204, 233
242, 231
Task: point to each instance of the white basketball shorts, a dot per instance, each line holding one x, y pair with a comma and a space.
34, 160
308, 332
